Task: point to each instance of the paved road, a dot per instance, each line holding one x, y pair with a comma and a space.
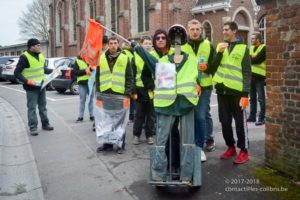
69, 167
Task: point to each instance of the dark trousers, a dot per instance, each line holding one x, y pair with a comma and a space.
229, 108
144, 112
36, 98
257, 93
175, 145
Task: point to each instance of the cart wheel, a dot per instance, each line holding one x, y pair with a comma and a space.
194, 189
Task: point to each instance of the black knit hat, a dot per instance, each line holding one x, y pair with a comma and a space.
33, 41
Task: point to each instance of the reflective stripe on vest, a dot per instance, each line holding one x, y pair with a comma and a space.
139, 63
36, 68
186, 80
82, 65
261, 67
203, 51
230, 70
114, 80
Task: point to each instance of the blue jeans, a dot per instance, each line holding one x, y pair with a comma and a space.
203, 120
83, 93
257, 93
36, 98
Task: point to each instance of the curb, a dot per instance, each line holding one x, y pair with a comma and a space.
19, 178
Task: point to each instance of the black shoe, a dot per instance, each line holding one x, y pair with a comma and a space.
250, 119
80, 119
33, 132
47, 127
92, 118
259, 123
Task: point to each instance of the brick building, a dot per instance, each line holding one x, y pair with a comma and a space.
283, 85
135, 18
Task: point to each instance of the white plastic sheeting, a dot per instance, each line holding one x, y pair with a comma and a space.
111, 120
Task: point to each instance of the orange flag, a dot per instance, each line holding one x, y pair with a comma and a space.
92, 45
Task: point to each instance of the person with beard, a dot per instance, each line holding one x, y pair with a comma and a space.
114, 76
202, 49
31, 70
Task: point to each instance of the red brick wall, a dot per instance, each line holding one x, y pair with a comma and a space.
283, 87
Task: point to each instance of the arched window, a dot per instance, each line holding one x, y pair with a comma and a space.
207, 32
92, 6
73, 20
262, 28
59, 17
143, 15
115, 9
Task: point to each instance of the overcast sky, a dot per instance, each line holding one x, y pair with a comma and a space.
10, 11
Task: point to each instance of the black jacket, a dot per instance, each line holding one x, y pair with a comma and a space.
128, 74
24, 63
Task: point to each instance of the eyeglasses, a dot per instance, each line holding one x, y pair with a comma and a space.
160, 38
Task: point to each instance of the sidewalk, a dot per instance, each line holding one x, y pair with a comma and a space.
19, 178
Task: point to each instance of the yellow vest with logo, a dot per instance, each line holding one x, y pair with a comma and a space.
230, 70
203, 51
114, 80
185, 84
36, 68
261, 67
82, 65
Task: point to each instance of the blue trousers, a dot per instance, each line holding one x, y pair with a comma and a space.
257, 93
203, 120
83, 93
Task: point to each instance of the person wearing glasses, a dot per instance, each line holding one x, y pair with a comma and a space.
257, 88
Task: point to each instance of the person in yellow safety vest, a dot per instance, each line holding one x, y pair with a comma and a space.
114, 76
126, 49
176, 94
202, 49
31, 70
143, 97
257, 88
162, 47
232, 83
83, 73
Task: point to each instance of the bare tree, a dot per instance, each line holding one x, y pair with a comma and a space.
34, 22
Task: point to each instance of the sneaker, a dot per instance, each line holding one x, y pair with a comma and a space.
203, 156
33, 132
228, 153
251, 119
210, 145
120, 150
92, 118
94, 127
242, 157
79, 119
136, 140
150, 140
47, 127
260, 122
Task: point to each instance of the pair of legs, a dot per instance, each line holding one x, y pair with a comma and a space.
229, 108
257, 93
36, 98
203, 120
83, 94
159, 161
144, 114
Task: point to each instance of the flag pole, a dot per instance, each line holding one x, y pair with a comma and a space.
115, 34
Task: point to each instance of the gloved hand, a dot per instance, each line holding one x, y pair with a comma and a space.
134, 96
133, 44
126, 103
198, 88
202, 66
244, 102
88, 71
99, 103
31, 82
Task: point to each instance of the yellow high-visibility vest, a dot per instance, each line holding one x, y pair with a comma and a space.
82, 65
261, 67
36, 68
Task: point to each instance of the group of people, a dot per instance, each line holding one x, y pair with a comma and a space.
171, 78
